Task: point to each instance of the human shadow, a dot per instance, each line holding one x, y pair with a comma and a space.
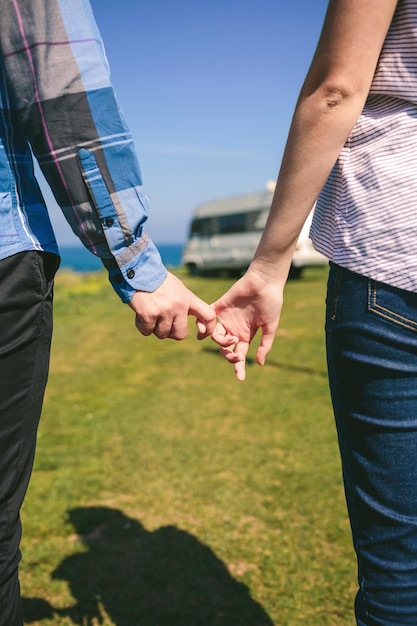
136, 577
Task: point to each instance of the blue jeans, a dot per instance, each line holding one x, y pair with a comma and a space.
26, 283
371, 332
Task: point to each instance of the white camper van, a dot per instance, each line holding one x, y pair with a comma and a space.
224, 235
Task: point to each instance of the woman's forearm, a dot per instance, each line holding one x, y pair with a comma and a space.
317, 135
330, 102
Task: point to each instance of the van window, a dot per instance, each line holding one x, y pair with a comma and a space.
203, 227
233, 223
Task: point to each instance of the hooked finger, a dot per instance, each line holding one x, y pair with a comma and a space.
230, 355
222, 337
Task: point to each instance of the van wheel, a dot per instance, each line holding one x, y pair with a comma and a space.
193, 269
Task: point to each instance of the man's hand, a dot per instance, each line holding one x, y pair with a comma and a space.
164, 312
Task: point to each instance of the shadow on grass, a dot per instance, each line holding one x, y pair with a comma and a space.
300, 369
133, 577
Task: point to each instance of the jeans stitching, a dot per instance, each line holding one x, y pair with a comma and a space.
335, 292
386, 313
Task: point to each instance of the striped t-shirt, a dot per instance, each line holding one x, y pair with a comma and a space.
366, 215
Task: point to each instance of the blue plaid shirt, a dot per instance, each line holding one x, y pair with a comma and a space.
57, 102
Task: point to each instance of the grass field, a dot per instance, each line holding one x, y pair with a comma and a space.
165, 493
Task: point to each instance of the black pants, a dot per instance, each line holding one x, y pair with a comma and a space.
26, 287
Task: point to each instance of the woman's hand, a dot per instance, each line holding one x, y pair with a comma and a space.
253, 302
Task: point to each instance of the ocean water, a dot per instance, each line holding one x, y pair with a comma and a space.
79, 259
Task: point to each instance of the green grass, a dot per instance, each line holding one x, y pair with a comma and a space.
165, 493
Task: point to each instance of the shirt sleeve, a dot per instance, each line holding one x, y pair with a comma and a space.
58, 76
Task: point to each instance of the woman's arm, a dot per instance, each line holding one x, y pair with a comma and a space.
329, 104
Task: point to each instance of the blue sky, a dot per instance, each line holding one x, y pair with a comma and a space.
208, 89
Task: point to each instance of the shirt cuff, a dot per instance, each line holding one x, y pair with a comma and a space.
143, 271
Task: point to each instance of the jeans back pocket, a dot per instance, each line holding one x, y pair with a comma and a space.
393, 304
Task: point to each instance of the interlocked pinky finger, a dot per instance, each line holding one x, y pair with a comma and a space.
230, 355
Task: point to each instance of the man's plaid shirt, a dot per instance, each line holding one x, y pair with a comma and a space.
56, 101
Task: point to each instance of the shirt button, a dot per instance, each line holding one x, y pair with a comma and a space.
130, 273
109, 221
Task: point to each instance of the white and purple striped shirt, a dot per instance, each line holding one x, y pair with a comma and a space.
366, 215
